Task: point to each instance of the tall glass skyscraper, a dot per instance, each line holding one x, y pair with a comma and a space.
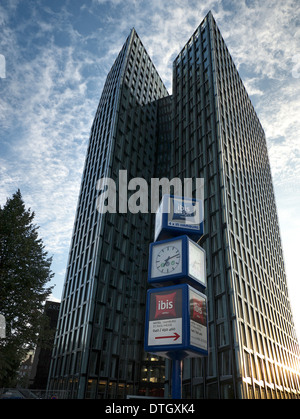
98, 349
207, 129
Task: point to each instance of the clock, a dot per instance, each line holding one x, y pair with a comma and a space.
175, 261
196, 262
166, 258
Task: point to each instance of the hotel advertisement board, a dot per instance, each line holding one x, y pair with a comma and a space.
176, 321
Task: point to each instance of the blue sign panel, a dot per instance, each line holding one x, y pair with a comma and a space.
179, 215
177, 260
176, 320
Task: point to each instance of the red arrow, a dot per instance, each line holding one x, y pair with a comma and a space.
175, 336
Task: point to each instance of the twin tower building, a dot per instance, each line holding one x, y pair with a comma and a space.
206, 129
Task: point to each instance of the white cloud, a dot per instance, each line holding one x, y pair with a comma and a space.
252, 88
47, 99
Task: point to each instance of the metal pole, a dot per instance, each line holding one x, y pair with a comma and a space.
176, 378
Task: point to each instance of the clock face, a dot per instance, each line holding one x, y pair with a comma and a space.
167, 258
197, 263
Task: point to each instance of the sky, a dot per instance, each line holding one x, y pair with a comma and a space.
54, 58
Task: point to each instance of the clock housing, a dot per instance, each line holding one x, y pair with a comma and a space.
175, 261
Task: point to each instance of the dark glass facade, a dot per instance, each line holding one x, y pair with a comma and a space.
254, 351
99, 343
207, 129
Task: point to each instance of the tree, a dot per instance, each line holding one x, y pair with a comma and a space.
24, 273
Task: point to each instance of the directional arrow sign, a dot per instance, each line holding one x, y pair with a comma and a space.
165, 332
175, 337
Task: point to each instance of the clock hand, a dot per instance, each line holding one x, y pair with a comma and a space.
170, 257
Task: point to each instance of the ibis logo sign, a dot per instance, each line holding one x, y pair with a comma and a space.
165, 306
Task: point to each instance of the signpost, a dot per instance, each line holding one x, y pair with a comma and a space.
164, 320
176, 320
176, 315
179, 215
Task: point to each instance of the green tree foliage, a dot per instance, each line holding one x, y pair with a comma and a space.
24, 273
